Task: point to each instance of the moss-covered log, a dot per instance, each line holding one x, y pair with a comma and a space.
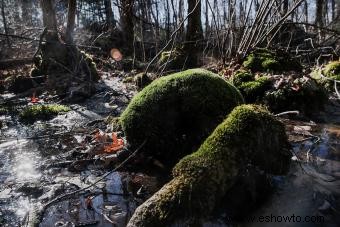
201, 179
177, 112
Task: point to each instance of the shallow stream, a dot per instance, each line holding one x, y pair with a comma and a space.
30, 177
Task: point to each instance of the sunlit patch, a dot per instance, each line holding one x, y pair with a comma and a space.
24, 161
22, 207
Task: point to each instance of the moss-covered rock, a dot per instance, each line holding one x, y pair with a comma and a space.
253, 89
41, 112
201, 179
114, 122
172, 60
241, 76
302, 93
176, 113
264, 60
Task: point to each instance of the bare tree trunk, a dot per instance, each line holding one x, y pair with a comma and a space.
26, 14
306, 12
319, 20
285, 6
194, 33
180, 16
333, 9
4, 21
72, 7
206, 19
110, 20
127, 23
49, 19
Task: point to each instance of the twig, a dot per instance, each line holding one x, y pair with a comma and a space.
287, 112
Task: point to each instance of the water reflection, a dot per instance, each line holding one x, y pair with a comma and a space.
22, 160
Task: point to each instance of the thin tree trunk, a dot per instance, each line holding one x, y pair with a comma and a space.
285, 6
5, 21
319, 20
72, 7
26, 15
306, 12
333, 9
127, 23
194, 33
49, 19
109, 13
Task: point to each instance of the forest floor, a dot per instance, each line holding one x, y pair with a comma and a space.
46, 159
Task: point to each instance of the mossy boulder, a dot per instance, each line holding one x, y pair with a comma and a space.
175, 113
264, 60
253, 89
202, 179
241, 76
41, 112
302, 93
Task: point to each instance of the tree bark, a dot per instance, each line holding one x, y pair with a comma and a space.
285, 6
5, 21
127, 24
72, 7
49, 19
26, 15
194, 32
319, 20
109, 13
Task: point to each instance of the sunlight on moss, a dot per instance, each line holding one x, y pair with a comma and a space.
42, 112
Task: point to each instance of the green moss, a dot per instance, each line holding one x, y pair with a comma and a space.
114, 122
332, 70
263, 60
176, 113
325, 76
271, 65
254, 90
241, 76
41, 112
201, 179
